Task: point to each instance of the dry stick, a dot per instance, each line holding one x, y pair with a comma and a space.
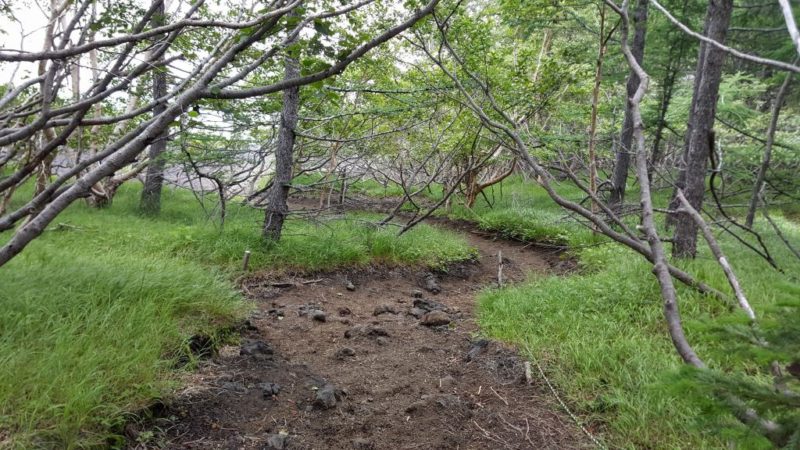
499, 396
500, 268
528, 375
246, 260
791, 25
717, 251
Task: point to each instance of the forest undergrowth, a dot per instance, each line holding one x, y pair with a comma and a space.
117, 296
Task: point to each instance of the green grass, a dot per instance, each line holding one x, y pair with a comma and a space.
601, 337
97, 310
519, 209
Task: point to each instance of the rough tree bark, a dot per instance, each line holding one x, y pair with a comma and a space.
150, 201
277, 209
699, 134
621, 166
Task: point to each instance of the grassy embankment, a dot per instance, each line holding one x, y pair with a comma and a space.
99, 308
600, 335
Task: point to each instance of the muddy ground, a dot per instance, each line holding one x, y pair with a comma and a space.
375, 359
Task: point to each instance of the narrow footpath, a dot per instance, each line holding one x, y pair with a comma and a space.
373, 359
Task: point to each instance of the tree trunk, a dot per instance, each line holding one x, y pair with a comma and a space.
700, 137
598, 76
620, 177
150, 202
765, 161
277, 209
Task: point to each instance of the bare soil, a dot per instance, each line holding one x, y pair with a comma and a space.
370, 374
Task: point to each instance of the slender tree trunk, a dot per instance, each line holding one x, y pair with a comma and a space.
150, 202
277, 208
700, 137
620, 177
668, 87
47, 135
598, 77
765, 160
547, 42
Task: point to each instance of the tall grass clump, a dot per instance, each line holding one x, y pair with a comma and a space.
84, 338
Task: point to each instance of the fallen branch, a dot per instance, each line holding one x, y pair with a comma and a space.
687, 208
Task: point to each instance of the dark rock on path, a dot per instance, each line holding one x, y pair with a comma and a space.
365, 331
234, 386
344, 353
428, 305
270, 389
476, 349
435, 318
431, 284
384, 309
277, 441
256, 349
326, 397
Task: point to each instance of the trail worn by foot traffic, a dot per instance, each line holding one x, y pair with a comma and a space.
375, 359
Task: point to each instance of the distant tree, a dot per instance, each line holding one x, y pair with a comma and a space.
150, 202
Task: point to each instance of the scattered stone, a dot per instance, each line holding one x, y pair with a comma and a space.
234, 386
319, 316
476, 349
431, 284
446, 383
417, 312
270, 389
256, 349
344, 353
248, 326
344, 311
429, 305
384, 309
416, 406
275, 313
365, 331
362, 444
307, 310
277, 441
416, 293
326, 397
381, 340
435, 318
350, 286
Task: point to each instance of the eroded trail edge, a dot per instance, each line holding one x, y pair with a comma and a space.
372, 359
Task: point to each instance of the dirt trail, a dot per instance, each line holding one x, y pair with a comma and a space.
326, 367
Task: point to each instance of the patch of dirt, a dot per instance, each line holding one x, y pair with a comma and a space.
371, 360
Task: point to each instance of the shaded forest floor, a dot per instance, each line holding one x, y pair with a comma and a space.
374, 358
